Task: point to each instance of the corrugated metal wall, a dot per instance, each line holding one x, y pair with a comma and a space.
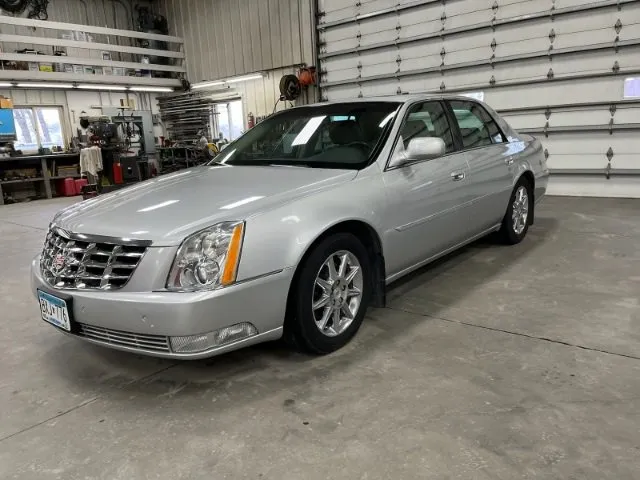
224, 38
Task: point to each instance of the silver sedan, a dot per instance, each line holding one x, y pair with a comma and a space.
293, 231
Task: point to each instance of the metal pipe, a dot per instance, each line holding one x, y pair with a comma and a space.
479, 26
493, 61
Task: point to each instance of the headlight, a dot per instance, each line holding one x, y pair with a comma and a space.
207, 259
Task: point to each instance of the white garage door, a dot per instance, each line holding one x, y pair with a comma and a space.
567, 71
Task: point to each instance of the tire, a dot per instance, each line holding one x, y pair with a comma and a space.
515, 226
304, 324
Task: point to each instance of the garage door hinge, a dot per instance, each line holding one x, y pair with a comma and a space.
443, 87
611, 126
610, 154
618, 26
399, 91
547, 113
550, 74
613, 109
616, 43
492, 81
443, 52
546, 130
616, 67
443, 17
552, 35
609, 157
495, 7
494, 44
546, 154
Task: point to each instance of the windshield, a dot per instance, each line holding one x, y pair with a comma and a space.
345, 135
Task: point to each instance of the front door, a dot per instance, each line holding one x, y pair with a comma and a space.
489, 157
426, 199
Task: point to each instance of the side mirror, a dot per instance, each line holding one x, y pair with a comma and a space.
425, 148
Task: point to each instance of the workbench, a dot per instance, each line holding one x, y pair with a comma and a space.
44, 163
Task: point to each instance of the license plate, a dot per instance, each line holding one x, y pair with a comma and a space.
54, 310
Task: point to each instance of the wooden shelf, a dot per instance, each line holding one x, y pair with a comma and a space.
60, 177
22, 180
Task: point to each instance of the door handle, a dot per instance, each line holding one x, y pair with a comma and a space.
457, 176
509, 161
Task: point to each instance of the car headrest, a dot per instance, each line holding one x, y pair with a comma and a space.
342, 133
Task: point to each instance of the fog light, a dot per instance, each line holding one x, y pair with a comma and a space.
218, 338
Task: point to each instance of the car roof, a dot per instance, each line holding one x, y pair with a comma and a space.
394, 98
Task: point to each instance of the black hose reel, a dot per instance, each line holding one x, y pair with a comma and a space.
290, 87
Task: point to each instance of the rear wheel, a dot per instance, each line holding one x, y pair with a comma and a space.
515, 223
331, 296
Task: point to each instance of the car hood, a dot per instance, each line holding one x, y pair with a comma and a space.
166, 209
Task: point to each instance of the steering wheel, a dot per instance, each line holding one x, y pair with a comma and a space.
360, 144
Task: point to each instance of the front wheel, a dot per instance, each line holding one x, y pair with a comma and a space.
515, 223
331, 296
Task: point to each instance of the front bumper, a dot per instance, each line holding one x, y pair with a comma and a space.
129, 320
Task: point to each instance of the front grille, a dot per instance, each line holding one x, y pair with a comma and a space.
75, 261
150, 343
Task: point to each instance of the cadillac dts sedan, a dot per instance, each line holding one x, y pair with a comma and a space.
293, 231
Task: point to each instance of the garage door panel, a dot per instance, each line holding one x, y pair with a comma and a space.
577, 118
579, 39
526, 7
600, 89
531, 45
576, 161
470, 40
594, 142
456, 8
627, 115
528, 120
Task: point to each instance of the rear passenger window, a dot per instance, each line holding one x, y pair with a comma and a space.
477, 127
427, 120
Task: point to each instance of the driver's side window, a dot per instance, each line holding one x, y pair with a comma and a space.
427, 119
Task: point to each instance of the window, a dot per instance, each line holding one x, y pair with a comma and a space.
38, 127
632, 87
477, 127
230, 119
427, 120
340, 135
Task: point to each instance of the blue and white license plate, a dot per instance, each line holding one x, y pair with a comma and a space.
54, 310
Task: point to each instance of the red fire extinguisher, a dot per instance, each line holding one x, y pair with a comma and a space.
251, 121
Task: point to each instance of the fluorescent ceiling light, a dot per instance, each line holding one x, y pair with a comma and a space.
4, 85
45, 85
215, 83
206, 84
151, 89
245, 78
96, 86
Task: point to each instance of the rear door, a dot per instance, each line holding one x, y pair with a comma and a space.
426, 198
487, 152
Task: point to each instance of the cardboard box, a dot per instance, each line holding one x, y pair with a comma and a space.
6, 103
46, 67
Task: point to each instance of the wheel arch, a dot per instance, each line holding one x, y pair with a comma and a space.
370, 240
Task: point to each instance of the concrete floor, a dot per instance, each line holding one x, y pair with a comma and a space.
496, 363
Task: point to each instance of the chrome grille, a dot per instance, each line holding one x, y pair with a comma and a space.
84, 262
151, 343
